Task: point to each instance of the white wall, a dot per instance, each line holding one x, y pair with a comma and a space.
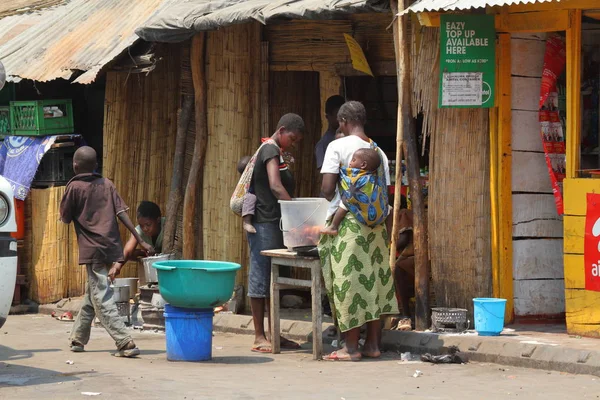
537, 229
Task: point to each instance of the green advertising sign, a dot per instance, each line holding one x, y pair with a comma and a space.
468, 61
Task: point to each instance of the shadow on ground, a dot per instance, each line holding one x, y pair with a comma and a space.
237, 360
9, 354
18, 375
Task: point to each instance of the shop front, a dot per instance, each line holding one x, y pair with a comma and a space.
544, 157
257, 73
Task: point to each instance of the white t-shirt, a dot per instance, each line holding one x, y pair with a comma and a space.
339, 153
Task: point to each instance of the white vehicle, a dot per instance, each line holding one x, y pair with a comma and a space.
8, 249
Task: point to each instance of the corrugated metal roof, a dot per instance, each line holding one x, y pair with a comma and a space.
78, 36
184, 18
454, 5
11, 7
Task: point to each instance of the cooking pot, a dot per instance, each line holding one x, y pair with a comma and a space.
158, 301
121, 293
131, 282
151, 274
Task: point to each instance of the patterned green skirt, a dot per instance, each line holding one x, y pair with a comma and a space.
357, 273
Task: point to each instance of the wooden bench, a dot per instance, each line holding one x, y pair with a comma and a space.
284, 257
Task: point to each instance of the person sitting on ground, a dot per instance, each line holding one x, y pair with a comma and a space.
404, 271
249, 204
150, 228
93, 204
364, 164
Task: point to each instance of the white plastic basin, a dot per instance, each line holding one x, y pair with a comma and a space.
302, 220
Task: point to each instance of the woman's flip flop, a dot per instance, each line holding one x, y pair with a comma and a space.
335, 357
262, 348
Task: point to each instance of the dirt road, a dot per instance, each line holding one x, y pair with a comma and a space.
34, 355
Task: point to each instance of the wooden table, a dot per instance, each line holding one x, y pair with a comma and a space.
284, 257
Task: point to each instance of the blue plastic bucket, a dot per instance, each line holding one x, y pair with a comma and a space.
489, 316
189, 333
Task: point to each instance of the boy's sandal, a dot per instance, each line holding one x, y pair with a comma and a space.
76, 347
128, 351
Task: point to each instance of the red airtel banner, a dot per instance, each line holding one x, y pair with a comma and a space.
551, 128
591, 249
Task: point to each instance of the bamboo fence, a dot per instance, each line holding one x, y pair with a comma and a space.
459, 203
459, 207
51, 253
371, 31
139, 133
308, 45
425, 77
234, 130
320, 45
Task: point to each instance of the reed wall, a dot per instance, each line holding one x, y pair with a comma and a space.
233, 78
320, 45
140, 125
52, 258
459, 195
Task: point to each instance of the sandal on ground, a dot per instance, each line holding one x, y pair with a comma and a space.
76, 347
335, 357
289, 345
262, 348
404, 324
128, 351
67, 316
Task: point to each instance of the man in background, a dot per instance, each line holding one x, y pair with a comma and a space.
332, 106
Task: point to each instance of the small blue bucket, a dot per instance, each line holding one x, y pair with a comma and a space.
189, 333
489, 316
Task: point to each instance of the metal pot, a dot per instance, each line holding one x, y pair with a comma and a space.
158, 301
151, 273
121, 293
131, 282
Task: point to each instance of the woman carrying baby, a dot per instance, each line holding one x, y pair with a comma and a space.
355, 253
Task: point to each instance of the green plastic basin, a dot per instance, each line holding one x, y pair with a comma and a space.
196, 283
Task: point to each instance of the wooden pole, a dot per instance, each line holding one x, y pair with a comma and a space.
411, 150
399, 141
176, 193
193, 242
